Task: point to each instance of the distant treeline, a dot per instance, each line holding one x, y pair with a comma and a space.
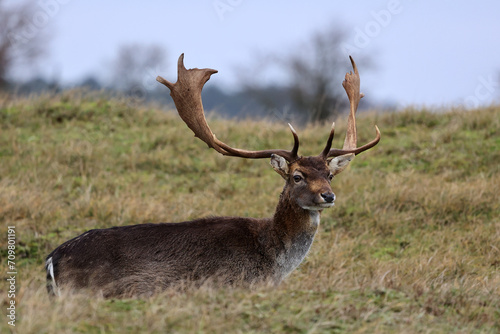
274, 102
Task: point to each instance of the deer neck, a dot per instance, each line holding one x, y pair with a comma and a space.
293, 220
295, 228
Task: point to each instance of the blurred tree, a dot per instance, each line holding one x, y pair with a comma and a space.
136, 67
91, 83
23, 37
314, 72
37, 85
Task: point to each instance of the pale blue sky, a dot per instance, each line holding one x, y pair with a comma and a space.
437, 53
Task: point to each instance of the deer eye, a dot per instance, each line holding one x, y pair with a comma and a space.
297, 178
330, 177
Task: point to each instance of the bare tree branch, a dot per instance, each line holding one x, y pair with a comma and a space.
135, 64
21, 41
312, 70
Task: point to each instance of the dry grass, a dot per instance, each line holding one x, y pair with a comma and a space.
412, 245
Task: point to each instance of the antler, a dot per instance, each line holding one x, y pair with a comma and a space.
351, 85
186, 93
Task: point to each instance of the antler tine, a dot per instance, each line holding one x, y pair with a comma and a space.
351, 85
334, 152
186, 93
326, 151
295, 149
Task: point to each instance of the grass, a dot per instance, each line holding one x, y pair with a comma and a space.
412, 245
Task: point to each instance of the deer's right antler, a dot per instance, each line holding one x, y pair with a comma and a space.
186, 93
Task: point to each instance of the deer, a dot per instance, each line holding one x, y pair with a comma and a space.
143, 259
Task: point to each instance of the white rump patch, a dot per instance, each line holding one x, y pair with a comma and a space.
50, 272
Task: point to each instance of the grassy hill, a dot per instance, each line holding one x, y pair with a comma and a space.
412, 245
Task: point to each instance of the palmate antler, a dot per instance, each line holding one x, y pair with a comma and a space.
351, 85
186, 93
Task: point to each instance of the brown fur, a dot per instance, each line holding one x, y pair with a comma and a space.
142, 259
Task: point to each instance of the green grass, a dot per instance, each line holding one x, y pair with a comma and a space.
412, 245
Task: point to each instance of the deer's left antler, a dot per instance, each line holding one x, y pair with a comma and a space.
351, 85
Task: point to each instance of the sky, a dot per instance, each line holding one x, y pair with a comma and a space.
436, 53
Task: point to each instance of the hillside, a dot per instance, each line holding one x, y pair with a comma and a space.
412, 244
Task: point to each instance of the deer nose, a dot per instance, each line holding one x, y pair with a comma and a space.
328, 197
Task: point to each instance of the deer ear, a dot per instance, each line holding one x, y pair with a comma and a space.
280, 165
338, 164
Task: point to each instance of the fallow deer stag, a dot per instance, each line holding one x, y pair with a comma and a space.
142, 259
